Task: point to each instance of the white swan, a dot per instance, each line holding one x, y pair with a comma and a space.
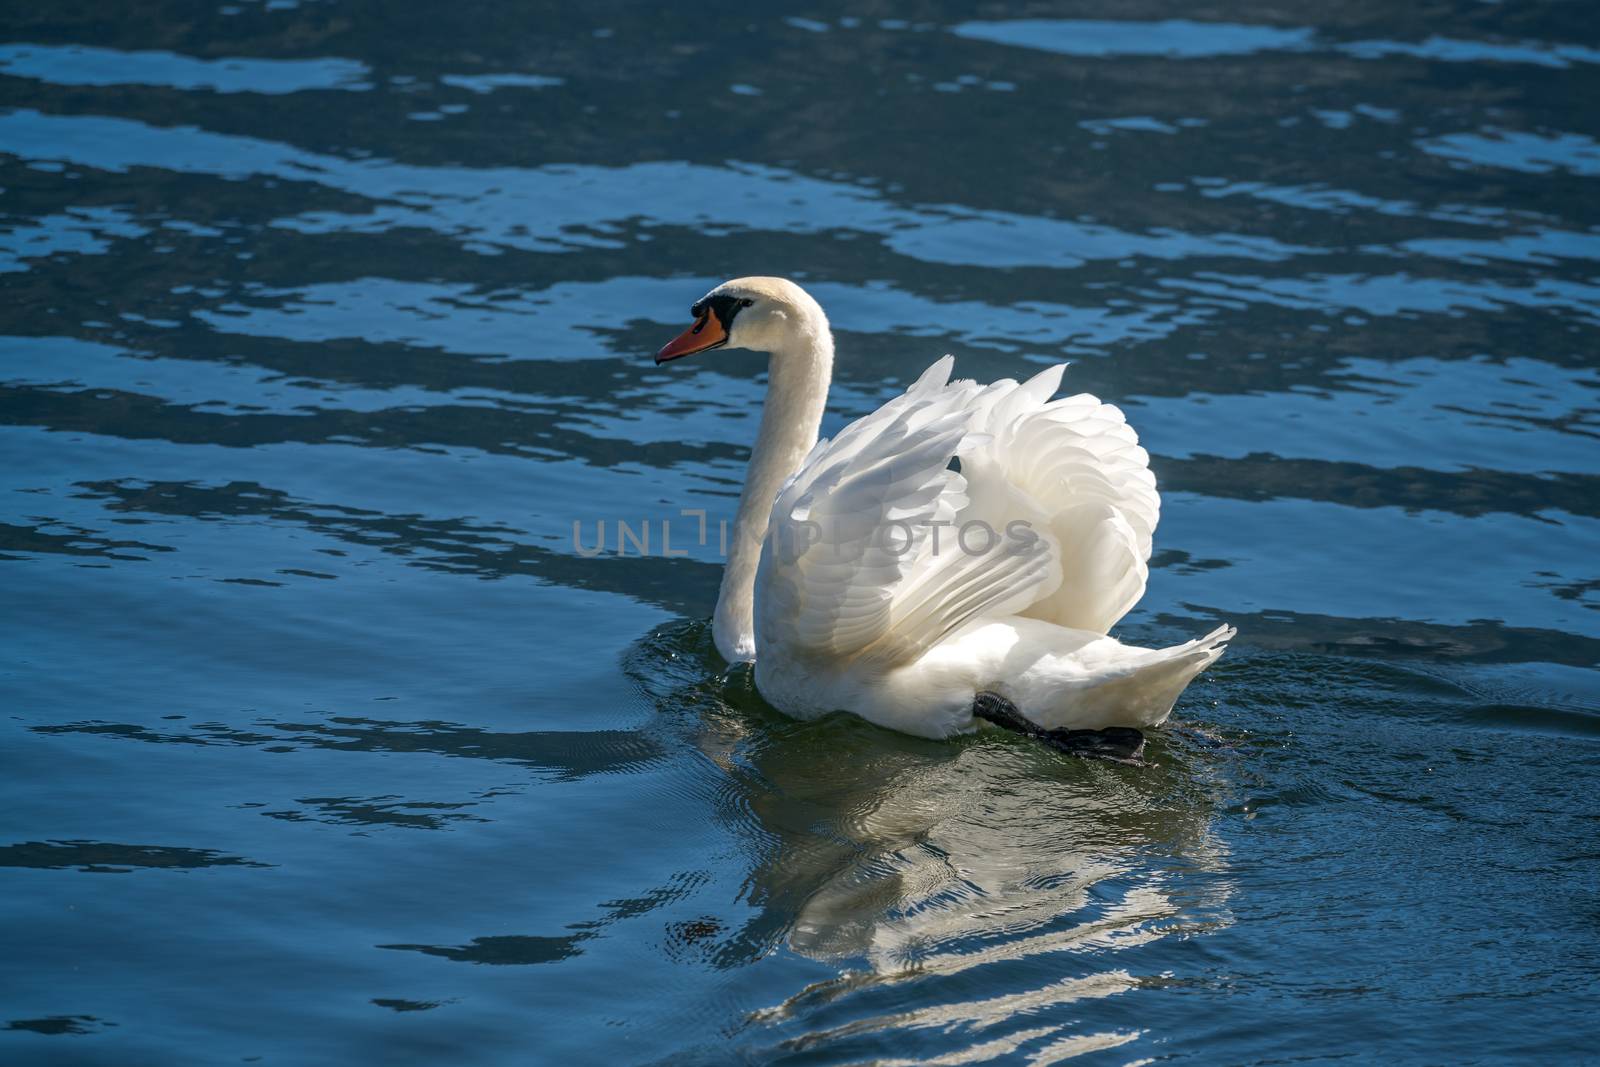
870, 574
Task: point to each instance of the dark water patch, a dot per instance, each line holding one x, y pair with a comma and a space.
1558, 721
21, 542
1184, 563
681, 885
396, 1004
103, 857
505, 951
56, 1025
1400, 295
270, 373
1514, 416
567, 755
1186, 39
1579, 590
692, 940
204, 733
371, 363
493, 429
1306, 794
1323, 198
1262, 476
377, 812
1404, 639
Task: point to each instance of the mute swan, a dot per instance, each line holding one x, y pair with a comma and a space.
872, 574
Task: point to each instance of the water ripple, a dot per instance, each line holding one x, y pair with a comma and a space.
1520, 150
563, 208
1171, 38
83, 65
325, 322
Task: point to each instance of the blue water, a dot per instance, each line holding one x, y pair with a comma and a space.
322, 322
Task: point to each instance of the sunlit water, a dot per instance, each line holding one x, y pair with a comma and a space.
323, 322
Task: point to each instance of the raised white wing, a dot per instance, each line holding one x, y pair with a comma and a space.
878, 550
1078, 462
862, 557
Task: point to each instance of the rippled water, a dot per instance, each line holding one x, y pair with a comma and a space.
323, 321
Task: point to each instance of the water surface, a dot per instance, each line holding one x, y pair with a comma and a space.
324, 744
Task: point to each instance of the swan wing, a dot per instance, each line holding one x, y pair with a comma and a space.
862, 560
1075, 467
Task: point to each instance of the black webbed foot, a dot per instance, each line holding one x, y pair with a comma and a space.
992, 707
1118, 744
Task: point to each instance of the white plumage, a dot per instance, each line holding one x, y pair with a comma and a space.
869, 575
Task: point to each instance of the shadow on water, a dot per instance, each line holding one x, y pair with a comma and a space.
60, 1024
563, 754
103, 857
79, 542
528, 950
382, 811
935, 873
516, 950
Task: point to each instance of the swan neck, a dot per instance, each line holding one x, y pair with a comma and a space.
797, 392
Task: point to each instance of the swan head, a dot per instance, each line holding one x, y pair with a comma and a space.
761, 314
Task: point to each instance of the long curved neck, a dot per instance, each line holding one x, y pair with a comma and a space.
797, 391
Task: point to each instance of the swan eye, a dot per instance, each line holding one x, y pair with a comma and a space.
746, 302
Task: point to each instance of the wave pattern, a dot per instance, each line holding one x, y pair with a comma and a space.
324, 367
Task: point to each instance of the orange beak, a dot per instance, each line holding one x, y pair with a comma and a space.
707, 332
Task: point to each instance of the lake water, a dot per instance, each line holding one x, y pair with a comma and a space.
324, 321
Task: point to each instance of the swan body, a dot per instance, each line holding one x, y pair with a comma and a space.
869, 573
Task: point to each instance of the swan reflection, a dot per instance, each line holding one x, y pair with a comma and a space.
1003, 878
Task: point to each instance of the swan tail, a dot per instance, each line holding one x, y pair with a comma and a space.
1143, 694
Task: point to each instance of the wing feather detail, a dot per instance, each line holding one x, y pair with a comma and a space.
1080, 464
862, 559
